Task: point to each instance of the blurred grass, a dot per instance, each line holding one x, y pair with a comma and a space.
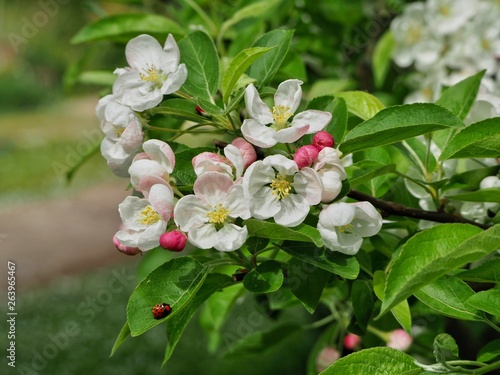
44, 314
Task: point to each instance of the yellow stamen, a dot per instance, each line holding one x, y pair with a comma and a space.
414, 35
485, 43
282, 186
118, 131
154, 75
346, 228
444, 10
148, 216
218, 215
281, 114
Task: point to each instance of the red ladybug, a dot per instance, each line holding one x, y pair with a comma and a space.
161, 310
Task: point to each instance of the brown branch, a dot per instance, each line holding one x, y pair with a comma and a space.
397, 209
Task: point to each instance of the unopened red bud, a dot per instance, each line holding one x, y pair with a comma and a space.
173, 241
323, 139
305, 156
326, 358
129, 250
247, 151
400, 340
351, 341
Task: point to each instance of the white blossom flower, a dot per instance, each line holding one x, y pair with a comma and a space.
282, 191
208, 215
415, 41
123, 133
154, 72
447, 16
230, 164
343, 225
266, 126
331, 172
145, 220
154, 165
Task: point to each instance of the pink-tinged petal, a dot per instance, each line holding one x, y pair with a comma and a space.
258, 134
132, 137
212, 187
172, 56
247, 151
235, 157
175, 80
150, 238
142, 51
282, 164
143, 168
212, 166
368, 221
316, 120
129, 209
162, 200
332, 184
265, 204
142, 156
289, 94
256, 108
293, 211
292, 134
258, 175
147, 182
308, 184
230, 237
236, 202
336, 215
209, 156
190, 212
203, 236
161, 152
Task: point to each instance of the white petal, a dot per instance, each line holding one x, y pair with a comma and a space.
282, 164
258, 134
308, 184
144, 168
131, 91
289, 94
162, 200
332, 184
258, 175
131, 138
367, 220
336, 215
265, 204
175, 80
230, 237
161, 152
292, 134
189, 212
129, 209
350, 246
256, 108
233, 153
208, 165
142, 51
203, 236
172, 56
150, 238
294, 209
316, 120
128, 237
236, 202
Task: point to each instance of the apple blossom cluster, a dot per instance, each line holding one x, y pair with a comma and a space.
447, 41
231, 186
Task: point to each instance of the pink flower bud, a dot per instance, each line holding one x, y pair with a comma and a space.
247, 151
173, 241
305, 156
209, 156
352, 341
399, 339
322, 139
326, 357
129, 250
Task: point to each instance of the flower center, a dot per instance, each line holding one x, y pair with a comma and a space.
444, 10
413, 35
282, 186
148, 216
118, 131
154, 75
281, 114
346, 228
485, 43
218, 215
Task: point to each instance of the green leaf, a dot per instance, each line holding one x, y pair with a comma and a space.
479, 140
365, 170
175, 326
401, 311
361, 104
489, 352
306, 282
266, 278
183, 171
302, 232
327, 87
126, 26
122, 336
398, 123
237, 67
447, 295
431, 253
265, 67
487, 300
459, 98
381, 59
445, 348
331, 261
174, 282
373, 361
484, 195
337, 107
179, 108
200, 56
362, 303
488, 272
261, 341
255, 10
